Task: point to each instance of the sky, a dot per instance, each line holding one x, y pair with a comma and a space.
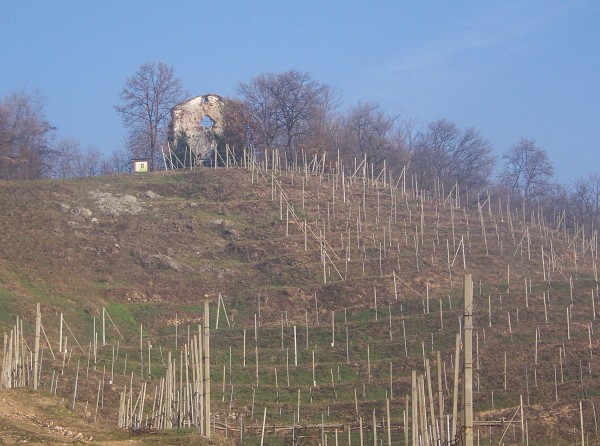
510, 69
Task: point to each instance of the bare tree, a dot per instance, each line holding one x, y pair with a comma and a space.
65, 152
119, 161
239, 125
370, 132
405, 131
527, 170
449, 155
322, 123
147, 99
258, 98
25, 137
286, 107
88, 163
71, 160
585, 200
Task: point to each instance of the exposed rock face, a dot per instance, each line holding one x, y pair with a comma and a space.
116, 205
80, 212
227, 229
155, 261
151, 195
200, 119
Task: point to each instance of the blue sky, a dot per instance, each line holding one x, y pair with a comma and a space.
508, 68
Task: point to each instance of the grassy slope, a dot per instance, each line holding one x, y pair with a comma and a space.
74, 265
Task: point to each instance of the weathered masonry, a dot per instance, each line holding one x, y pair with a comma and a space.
196, 123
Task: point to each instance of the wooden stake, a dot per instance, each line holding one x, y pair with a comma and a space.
581, 423
60, 335
38, 323
440, 396
262, 435
468, 365
206, 352
455, 395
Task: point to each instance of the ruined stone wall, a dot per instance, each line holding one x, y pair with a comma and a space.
193, 117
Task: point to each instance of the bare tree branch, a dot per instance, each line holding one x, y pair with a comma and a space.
25, 137
585, 200
147, 99
288, 107
527, 170
447, 154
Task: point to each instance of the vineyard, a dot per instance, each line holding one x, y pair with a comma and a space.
261, 303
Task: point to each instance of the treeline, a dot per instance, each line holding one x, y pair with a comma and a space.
297, 114
300, 116
30, 148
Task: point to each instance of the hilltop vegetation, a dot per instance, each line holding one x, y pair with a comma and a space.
300, 117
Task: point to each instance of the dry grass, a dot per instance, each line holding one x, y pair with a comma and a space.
211, 232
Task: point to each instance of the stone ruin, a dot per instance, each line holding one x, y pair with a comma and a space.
200, 120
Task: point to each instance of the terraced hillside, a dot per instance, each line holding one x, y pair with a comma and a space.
333, 288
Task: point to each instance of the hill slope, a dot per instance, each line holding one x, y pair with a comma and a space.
385, 264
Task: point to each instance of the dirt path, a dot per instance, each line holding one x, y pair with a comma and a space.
33, 418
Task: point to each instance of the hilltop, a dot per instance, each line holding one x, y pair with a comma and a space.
289, 252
